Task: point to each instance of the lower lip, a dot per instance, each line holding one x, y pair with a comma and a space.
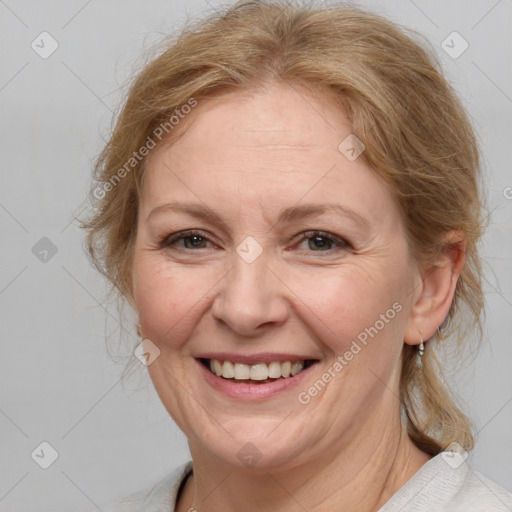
252, 392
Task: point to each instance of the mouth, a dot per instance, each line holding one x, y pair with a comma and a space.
257, 373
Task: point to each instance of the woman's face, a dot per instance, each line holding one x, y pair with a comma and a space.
260, 243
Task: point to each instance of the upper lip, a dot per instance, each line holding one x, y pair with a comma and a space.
263, 357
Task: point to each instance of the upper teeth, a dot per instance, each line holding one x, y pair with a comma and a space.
260, 371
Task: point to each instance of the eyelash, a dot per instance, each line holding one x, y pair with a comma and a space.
170, 240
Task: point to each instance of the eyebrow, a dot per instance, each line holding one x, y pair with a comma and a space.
292, 213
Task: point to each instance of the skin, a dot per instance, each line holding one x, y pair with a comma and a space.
247, 156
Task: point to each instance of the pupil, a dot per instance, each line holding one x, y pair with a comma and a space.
194, 240
319, 241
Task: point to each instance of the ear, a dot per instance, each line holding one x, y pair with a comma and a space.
436, 290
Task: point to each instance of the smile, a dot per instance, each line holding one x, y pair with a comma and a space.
254, 377
259, 372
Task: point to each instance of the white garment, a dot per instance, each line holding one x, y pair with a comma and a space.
443, 484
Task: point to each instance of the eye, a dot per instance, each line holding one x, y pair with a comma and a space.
317, 241
191, 240
320, 241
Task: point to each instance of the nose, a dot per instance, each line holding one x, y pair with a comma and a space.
250, 299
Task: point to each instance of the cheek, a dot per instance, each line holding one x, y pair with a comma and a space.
350, 303
169, 299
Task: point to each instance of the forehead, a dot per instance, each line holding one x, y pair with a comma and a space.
266, 148
277, 117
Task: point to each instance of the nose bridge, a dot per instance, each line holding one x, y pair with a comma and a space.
250, 294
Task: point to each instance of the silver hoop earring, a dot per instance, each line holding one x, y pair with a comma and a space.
421, 348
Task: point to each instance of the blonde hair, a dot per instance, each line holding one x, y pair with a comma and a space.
416, 132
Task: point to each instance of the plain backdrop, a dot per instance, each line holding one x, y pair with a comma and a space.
58, 383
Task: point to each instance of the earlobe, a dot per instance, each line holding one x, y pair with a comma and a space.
438, 284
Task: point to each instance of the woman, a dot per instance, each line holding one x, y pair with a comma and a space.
289, 201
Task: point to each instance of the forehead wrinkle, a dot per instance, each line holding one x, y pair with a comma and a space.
289, 214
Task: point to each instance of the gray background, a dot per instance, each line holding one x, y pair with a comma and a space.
58, 383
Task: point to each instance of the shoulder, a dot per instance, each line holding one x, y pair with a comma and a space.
478, 493
161, 497
445, 484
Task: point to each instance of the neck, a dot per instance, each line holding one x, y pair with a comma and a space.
361, 476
